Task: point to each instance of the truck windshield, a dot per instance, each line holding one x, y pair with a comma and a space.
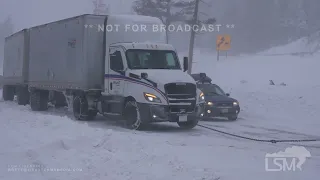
152, 59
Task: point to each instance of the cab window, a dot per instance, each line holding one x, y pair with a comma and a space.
116, 62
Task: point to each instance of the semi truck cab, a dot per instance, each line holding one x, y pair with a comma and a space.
147, 82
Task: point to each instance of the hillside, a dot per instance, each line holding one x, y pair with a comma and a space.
301, 46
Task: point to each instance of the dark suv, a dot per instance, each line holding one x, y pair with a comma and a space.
218, 103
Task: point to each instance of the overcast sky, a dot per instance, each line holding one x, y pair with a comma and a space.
28, 13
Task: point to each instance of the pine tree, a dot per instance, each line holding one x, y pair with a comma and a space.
165, 10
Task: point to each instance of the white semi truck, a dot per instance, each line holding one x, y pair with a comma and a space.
102, 64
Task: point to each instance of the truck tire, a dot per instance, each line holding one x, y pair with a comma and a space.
191, 123
39, 100
132, 116
8, 93
81, 109
23, 95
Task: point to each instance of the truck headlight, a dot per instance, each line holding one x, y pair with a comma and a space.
152, 98
210, 103
235, 104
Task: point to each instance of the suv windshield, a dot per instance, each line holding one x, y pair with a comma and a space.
211, 89
152, 59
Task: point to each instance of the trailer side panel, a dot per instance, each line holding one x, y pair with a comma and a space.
58, 55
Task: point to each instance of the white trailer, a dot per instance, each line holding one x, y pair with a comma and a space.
103, 64
15, 67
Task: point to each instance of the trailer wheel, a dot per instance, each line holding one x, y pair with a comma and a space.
191, 123
39, 100
132, 116
8, 93
81, 109
23, 95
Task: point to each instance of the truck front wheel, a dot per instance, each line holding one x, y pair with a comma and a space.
132, 116
8, 93
191, 123
81, 109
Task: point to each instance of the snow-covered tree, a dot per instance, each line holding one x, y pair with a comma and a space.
6, 29
100, 8
166, 10
191, 12
170, 11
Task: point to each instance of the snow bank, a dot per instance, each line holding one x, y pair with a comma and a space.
85, 151
65, 149
299, 46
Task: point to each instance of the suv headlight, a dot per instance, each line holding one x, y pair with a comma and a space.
201, 97
235, 103
151, 98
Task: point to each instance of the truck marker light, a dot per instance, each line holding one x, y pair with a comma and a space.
150, 95
152, 98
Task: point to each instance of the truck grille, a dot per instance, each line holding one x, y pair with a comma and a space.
181, 96
224, 104
181, 90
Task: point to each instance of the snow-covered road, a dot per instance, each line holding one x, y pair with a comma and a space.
102, 149
293, 109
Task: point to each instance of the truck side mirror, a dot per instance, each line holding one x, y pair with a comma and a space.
185, 64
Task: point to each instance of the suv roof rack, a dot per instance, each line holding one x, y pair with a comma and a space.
201, 78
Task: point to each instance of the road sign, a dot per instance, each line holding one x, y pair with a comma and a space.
223, 42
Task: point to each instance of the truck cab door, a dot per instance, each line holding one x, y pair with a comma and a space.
116, 71
114, 82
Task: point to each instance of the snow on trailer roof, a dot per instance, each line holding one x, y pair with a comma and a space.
135, 18
129, 19
147, 45
135, 28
